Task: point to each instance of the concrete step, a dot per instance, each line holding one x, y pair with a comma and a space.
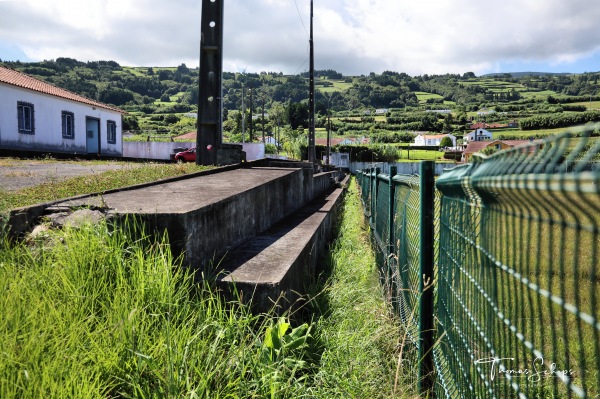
273, 269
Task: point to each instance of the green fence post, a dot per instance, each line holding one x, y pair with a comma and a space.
372, 195
426, 324
392, 215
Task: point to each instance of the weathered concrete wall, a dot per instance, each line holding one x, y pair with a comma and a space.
274, 269
207, 232
207, 215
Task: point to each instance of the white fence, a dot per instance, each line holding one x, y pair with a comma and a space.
403, 168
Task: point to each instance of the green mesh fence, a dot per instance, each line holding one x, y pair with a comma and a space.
515, 277
518, 273
395, 226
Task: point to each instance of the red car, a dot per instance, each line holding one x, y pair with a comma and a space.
188, 155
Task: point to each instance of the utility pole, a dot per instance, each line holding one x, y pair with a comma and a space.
243, 115
209, 134
311, 98
329, 98
251, 114
262, 97
328, 136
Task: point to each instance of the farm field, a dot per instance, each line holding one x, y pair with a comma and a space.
338, 85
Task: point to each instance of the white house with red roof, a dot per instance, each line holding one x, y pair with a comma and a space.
37, 116
433, 139
478, 135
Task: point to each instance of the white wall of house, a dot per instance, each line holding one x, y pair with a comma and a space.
478, 135
47, 134
423, 140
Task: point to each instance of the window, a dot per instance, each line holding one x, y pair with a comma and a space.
68, 125
111, 132
25, 116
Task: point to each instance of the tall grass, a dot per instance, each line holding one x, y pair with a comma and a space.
94, 313
102, 311
363, 342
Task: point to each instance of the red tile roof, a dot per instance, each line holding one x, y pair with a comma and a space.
476, 146
434, 136
15, 78
191, 136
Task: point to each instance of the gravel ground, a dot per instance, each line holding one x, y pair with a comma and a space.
17, 174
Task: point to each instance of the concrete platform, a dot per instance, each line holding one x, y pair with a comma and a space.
262, 228
186, 195
207, 215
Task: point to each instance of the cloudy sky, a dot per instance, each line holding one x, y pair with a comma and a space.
351, 36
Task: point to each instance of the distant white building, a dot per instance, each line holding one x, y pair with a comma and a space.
339, 159
381, 111
37, 116
478, 135
271, 140
485, 111
433, 140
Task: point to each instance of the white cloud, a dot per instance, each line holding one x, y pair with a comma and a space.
351, 36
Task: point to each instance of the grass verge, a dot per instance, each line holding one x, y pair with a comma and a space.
362, 339
93, 183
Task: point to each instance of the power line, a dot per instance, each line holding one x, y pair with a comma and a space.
300, 15
304, 63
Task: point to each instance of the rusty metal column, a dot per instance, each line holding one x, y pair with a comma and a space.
209, 133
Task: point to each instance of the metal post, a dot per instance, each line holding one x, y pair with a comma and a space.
371, 195
374, 197
426, 324
251, 116
392, 211
328, 139
391, 260
311, 94
263, 118
209, 132
243, 114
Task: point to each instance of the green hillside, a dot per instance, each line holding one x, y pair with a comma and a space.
386, 107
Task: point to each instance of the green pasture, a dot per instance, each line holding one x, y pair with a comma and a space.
540, 95
338, 85
137, 71
423, 96
518, 134
589, 104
